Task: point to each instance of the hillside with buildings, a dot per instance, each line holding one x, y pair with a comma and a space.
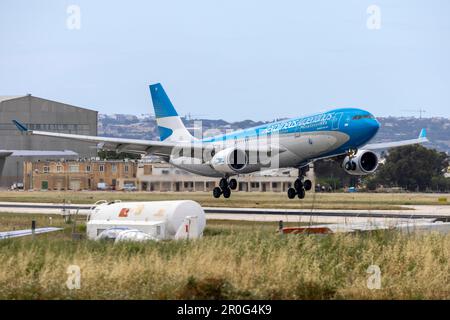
392, 128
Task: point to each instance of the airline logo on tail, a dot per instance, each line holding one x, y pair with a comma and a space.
170, 126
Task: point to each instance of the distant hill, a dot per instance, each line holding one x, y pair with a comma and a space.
438, 130
392, 128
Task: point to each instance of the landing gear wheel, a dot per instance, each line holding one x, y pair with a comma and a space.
226, 193
217, 192
223, 184
291, 193
225, 188
301, 193
307, 184
298, 184
232, 184
351, 165
348, 166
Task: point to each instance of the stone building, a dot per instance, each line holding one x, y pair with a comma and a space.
79, 175
145, 176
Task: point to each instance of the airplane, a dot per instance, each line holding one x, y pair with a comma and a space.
341, 133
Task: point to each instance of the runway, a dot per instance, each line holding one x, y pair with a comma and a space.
441, 213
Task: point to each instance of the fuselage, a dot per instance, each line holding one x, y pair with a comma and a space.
301, 140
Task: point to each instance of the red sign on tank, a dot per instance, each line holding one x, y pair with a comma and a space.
124, 212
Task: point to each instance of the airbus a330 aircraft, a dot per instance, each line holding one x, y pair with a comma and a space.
295, 143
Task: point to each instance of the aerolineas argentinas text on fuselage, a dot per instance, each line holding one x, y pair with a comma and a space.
295, 143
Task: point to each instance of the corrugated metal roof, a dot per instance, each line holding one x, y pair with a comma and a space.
4, 98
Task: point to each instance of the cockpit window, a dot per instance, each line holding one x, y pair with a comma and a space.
365, 116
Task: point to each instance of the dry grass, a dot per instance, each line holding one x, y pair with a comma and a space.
373, 201
233, 261
14, 221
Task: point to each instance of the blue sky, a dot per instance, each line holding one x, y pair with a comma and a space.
230, 59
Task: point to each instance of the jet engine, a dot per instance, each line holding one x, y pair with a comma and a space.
363, 163
230, 160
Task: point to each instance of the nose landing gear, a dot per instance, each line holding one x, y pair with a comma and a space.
300, 185
225, 188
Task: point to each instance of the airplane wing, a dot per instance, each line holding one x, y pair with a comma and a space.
35, 153
107, 143
159, 148
387, 145
26, 232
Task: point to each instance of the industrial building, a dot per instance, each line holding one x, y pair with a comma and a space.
41, 114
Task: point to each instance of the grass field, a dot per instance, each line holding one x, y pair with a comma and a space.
371, 201
234, 260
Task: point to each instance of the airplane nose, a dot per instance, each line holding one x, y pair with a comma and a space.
376, 124
373, 125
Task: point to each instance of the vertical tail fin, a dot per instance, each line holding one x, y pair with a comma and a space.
169, 122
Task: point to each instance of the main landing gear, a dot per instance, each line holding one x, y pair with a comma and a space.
351, 165
300, 185
225, 187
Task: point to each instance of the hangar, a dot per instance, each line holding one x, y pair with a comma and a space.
41, 114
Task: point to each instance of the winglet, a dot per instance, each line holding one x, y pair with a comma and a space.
20, 126
423, 133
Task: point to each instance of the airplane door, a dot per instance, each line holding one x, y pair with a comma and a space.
298, 133
336, 121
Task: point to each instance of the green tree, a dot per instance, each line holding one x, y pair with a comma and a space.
330, 172
414, 168
440, 184
371, 182
112, 155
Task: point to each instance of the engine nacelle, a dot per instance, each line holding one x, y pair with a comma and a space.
230, 160
365, 162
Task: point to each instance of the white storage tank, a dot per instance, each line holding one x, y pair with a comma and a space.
160, 219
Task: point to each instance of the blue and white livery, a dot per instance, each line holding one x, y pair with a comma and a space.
294, 143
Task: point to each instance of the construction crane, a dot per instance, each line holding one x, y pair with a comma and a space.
420, 111
190, 116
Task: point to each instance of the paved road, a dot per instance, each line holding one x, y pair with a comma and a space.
328, 216
252, 214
